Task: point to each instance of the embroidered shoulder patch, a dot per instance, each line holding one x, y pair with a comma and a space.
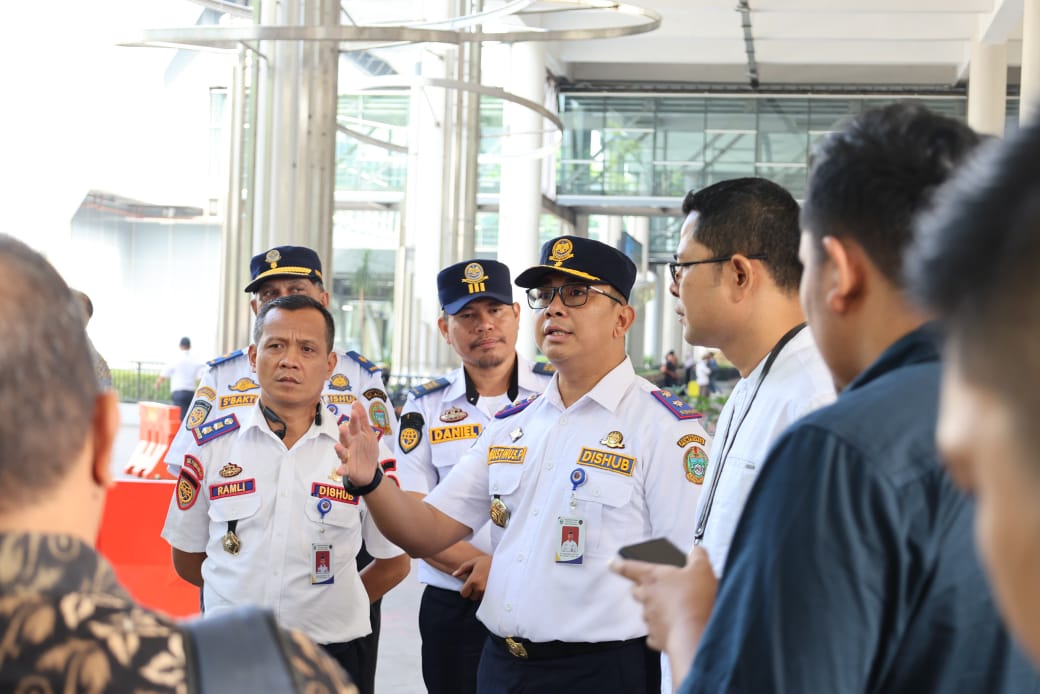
215, 429
676, 405
230, 356
518, 406
544, 368
187, 490
411, 431
430, 387
366, 364
192, 464
375, 394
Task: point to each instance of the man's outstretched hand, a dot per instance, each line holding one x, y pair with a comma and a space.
358, 448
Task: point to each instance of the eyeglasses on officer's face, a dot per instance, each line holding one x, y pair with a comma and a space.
673, 268
571, 295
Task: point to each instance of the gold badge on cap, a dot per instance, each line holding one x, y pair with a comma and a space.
474, 277
272, 257
614, 439
561, 251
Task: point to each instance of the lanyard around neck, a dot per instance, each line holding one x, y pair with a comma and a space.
728, 440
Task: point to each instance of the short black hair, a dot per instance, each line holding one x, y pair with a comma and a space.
185, 343
750, 215
294, 302
869, 180
48, 376
975, 265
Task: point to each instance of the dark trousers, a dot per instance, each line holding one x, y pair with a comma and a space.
352, 656
628, 669
452, 640
363, 653
182, 399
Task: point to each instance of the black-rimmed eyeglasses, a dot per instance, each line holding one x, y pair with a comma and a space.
572, 295
673, 268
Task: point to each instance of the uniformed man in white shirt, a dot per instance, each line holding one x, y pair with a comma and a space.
229, 386
439, 422
601, 454
736, 275
260, 516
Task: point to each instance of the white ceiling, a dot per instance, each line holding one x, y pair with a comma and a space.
797, 42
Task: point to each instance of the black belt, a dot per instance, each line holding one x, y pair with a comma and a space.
529, 650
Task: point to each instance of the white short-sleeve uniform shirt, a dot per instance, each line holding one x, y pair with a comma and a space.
229, 385
635, 452
247, 475
438, 425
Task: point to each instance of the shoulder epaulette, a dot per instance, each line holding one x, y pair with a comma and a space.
227, 357
430, 387
544, 368
366, 363
215, 428
676, 405
518, 406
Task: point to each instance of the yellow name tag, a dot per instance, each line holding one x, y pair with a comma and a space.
604, 460
236, 400
343, 399
455, 433
507, 454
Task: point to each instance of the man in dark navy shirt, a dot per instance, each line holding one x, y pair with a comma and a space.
975, 265
852, 568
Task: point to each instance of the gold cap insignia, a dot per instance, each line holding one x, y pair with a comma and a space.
272, 257
613, 440
561, 251
474, 276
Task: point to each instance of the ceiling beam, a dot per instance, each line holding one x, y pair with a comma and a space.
994, 27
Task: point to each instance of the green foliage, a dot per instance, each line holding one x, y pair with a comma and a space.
139, 384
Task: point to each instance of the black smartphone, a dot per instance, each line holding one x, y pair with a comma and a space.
656, 551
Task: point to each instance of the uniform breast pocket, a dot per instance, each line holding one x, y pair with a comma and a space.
340, 527
503, 485
241, 508
599, 501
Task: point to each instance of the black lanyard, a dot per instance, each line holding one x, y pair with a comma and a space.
727, 441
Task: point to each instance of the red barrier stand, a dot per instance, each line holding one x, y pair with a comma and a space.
135, 511
158, 425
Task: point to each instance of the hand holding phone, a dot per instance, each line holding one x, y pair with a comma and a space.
656, 551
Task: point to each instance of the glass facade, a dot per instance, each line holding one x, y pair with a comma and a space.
663, 146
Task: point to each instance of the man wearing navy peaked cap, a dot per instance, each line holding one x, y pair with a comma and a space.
601, 460
229, 387
439, 422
